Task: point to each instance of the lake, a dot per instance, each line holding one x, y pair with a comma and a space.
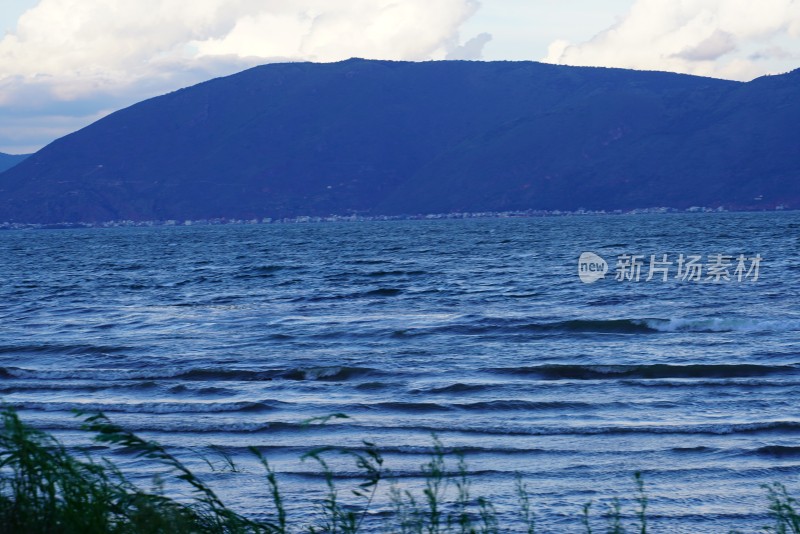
479, 331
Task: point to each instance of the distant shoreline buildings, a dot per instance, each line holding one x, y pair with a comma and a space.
307, 219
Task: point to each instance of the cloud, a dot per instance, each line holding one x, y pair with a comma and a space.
330, 30
702, 37
774, 52
472, 49
116, 52
713, 47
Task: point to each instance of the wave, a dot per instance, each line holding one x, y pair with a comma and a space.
15, 387
775, 450
605, 326
718, 324
526, 405
381, 274
238, 375
262, 271
373, 386
206, 426
424, 450
457, 388
383, 292
147, 378
698, 448
149, 407
483, 406
67, 350
498, 325
371, 261
410, 406
373, 293
331, 373
589, 430
651, 371
188, 426
775, 381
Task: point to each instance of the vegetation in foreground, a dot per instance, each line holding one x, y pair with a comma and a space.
44, 488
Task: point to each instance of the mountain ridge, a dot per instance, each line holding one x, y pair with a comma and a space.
386, 138
9, 160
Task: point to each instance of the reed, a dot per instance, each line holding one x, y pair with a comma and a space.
46, 488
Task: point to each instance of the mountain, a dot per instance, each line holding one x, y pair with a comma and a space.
380, 137
9, 160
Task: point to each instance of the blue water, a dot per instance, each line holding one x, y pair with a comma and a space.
477, 330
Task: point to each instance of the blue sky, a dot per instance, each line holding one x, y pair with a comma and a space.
67, 63
10, 10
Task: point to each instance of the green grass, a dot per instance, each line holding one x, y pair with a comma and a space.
46, 488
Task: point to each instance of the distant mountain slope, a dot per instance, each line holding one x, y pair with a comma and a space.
394, 137
9, 160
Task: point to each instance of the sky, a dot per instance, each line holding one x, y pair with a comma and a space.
67, 63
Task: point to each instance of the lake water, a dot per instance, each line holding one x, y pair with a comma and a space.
477, 330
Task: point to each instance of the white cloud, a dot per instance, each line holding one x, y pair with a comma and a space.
472, 49
326, 30
90, 45
714, 46
122, 51
703, 37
